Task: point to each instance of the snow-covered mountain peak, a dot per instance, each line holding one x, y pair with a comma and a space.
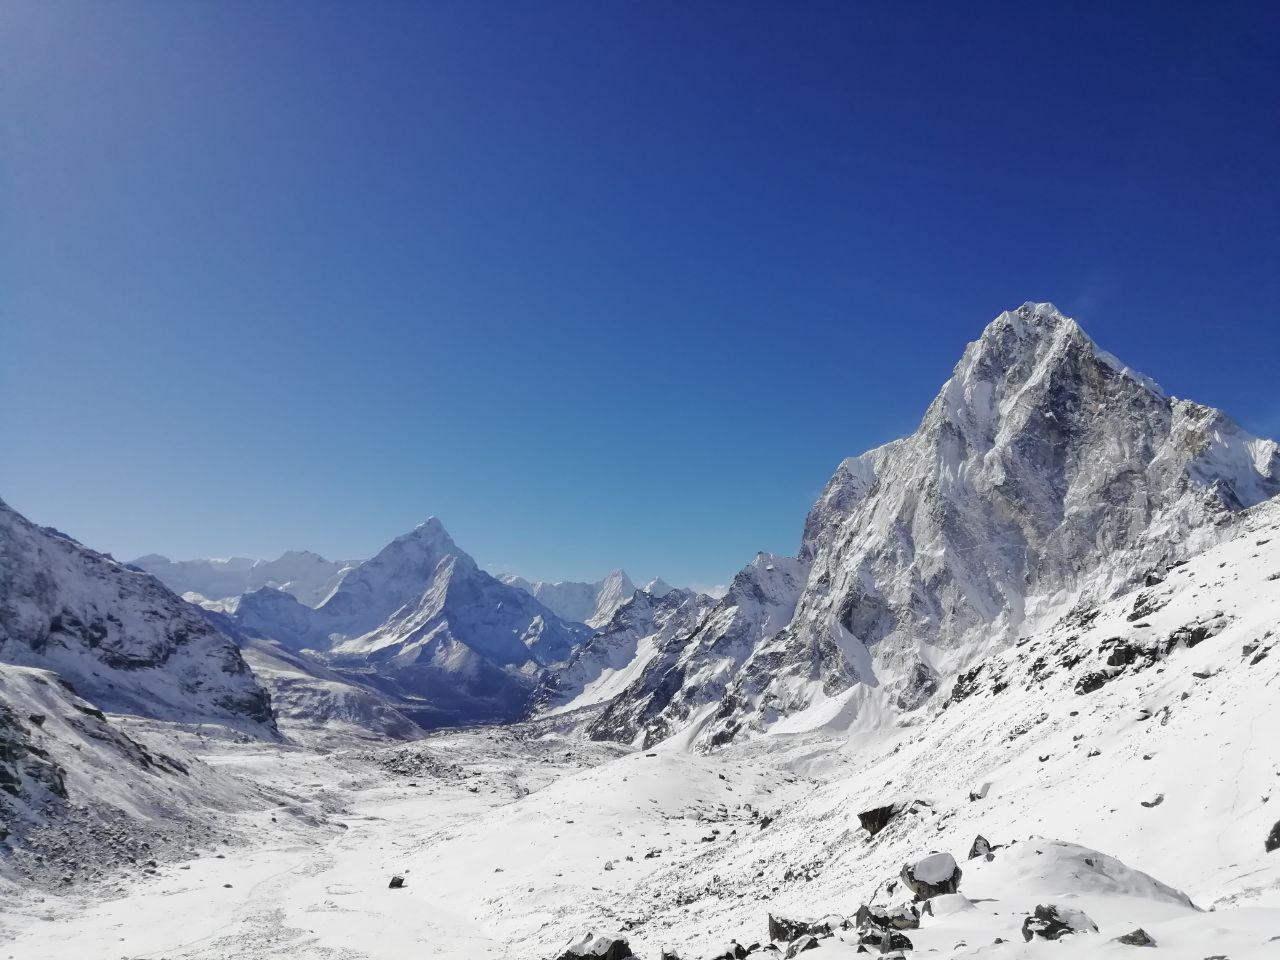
657, 587
429, 535
371, 592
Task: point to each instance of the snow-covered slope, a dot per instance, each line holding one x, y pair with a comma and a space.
119, 635
589, 603
306, 575
267, 612
316, 703
686, 673
1045, 473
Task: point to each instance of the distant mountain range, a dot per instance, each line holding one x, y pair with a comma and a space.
1045, 475
306, 575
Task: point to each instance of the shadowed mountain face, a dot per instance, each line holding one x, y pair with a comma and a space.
1043, 474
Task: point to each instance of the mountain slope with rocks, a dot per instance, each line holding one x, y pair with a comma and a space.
84, 795
125, 642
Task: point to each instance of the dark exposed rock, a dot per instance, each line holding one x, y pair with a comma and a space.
733, 951
981, 847
1052, 922
877, 818
396, 882
885, 939
1093, 680
1136, 938
1273, 838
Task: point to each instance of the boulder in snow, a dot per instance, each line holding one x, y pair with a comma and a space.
1273, 838
933, 876
396, 882
981, 847
593, 947
783, 930
885, 940
1052, 922
1137, 938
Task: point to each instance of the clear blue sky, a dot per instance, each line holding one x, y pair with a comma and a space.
597, 283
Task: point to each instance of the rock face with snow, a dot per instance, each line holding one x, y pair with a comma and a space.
589, 603
690, 673
1044, 474
120, 636
614, 656
300, 573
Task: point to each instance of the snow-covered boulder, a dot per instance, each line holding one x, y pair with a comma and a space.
935, 875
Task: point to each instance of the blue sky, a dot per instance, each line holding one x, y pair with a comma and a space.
597, 283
